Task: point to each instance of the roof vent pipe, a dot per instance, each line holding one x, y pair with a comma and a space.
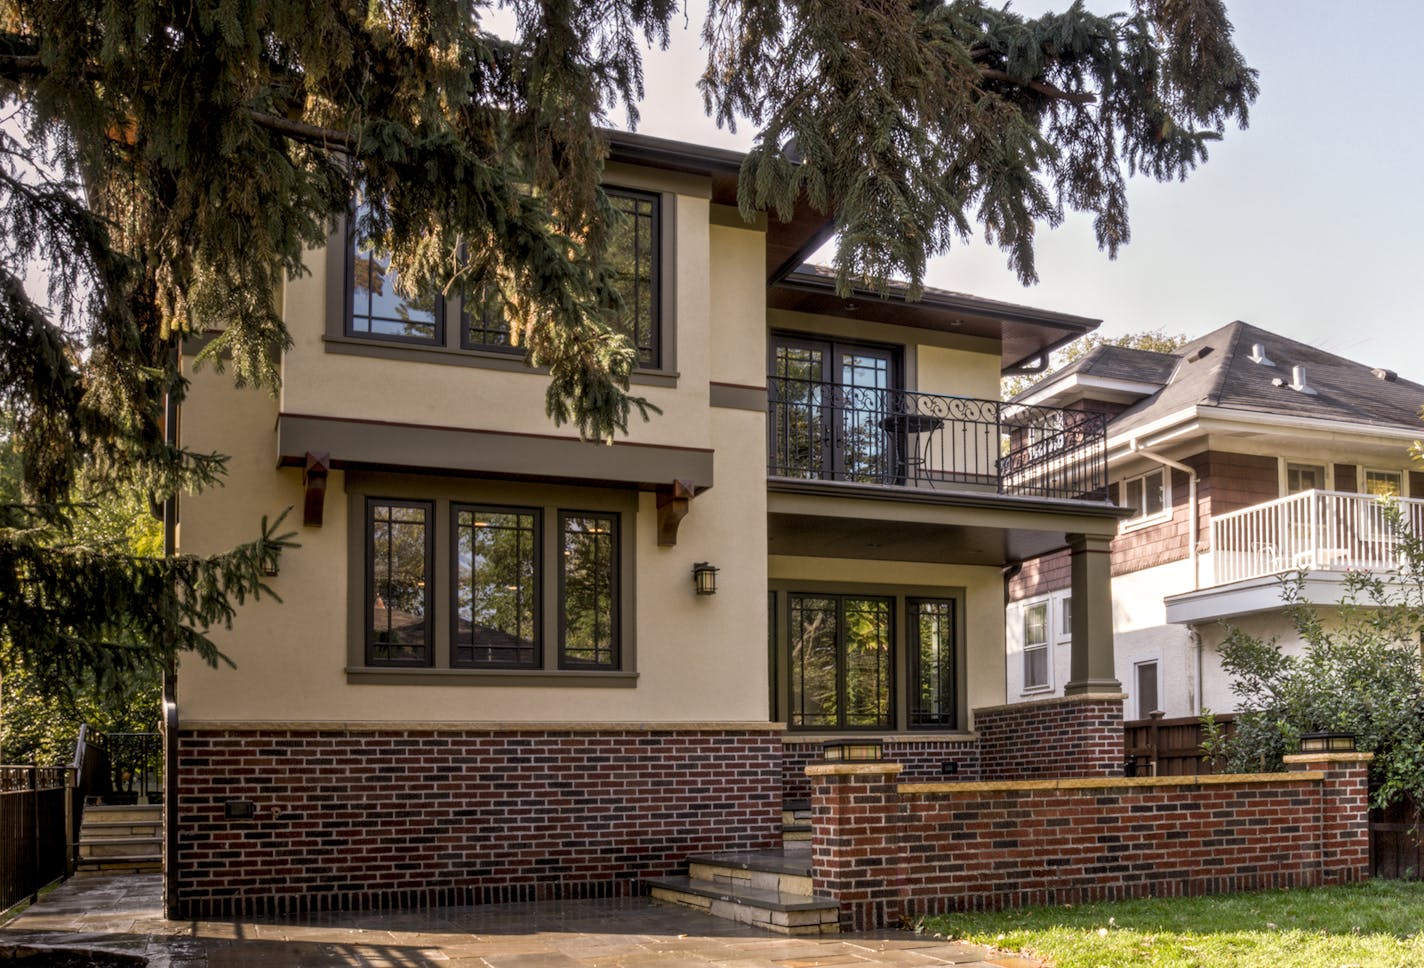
1389, 376
1297, 380
1258, 355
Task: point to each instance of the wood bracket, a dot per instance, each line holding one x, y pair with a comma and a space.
314, 484
673, 504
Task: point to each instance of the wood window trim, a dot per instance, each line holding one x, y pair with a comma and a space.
368, 598
1046, 646
444, 492
1141, 521
1284, 465
781, 590
450, 349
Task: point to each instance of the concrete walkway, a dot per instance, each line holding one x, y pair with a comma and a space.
122, 913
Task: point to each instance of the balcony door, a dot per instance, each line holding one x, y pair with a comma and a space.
831, 410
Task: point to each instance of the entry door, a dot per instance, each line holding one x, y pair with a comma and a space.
832, 409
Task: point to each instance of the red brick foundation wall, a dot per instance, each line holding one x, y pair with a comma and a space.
1073, 736
922, 760
889, 852
392, 819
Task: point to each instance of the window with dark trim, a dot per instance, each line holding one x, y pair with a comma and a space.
496, 576
374, 308
588, 590
400, 555
840, 648
484, 325
933, 662
634, 247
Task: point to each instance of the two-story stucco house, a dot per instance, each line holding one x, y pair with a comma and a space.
493, 673
1242, 456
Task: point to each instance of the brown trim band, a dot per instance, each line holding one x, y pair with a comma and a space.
500, 726
736, 396
392, 445
376, 676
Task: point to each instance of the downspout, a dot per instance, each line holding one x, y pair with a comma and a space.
169, 724
1192, 530
1194, 634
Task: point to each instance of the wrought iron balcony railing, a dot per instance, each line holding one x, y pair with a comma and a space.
901, 438
1311, 531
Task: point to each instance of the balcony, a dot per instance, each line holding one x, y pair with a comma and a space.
1311, 531
822, 431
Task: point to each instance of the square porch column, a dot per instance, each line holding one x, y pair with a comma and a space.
1092, 668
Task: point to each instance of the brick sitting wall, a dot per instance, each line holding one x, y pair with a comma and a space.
1073, 736
407, 818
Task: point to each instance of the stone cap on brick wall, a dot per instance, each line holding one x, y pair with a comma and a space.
854, 769
1292, 758
1053, 701
1107, 783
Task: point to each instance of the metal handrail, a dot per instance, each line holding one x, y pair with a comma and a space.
905, 438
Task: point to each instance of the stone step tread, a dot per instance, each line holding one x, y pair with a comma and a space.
121, 860
115, 841
748, 896
796, 828
795, 805
114, 824
774, 861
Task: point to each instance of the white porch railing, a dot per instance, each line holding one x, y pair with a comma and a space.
1315, 530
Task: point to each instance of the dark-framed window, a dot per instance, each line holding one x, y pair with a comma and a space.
931, 625
635, 253
588, 590
840, 659
400, 559
374, 309
496, 578
484, 325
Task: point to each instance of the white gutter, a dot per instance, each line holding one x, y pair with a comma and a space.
1133, 447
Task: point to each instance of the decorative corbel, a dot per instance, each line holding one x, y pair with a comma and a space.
314, 483
673, 505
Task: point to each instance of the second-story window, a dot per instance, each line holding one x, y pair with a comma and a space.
374, 307
1146, 495
633, 247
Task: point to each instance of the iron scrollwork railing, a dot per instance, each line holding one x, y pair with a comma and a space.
871, 435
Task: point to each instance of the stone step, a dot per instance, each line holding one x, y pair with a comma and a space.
141, 813
785, 871
142, 864
121, 847
104, 829
771, 910
796, 834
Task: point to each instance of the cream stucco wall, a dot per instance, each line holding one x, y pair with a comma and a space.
698, 659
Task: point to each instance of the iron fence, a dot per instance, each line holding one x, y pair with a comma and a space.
903, 438
34, 821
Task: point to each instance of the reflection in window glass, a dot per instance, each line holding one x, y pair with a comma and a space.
377, 309
633, 254
1035, 646
1383, 483
1304, 477
840, 661
588, 584
398, 623
932, 648
486, 327
1144, 494
814, 636
496, 588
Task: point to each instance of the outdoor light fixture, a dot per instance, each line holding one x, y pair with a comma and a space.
1327, 742
704, 576
852, 750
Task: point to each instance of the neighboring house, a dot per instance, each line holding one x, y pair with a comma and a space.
1242, 456
491, 675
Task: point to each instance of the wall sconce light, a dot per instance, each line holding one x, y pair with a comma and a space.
1323, 742
704, 577
852, 750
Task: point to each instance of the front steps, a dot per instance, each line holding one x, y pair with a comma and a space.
768, 889
795, 822
121, 840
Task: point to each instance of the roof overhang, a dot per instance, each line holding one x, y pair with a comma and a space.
1251, 597
1024, 332
1079, 386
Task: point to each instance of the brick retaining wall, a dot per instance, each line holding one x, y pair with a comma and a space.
406, 818
889, 851
1067, 736
923, 760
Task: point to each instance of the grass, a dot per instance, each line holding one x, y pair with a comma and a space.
1375, 925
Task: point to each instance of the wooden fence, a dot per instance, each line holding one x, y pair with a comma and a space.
35, 810
1168, 747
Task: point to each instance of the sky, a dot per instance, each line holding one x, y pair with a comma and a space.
1305, 224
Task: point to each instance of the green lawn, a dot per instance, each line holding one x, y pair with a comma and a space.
1373, 925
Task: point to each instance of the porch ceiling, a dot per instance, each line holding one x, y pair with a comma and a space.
812, 519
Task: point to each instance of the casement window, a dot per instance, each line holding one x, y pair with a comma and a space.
374, 308
496, 588
1036, 659
1146, 495
871, 657
588, 590
639, 245
933, 658
399, 579
466, 587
